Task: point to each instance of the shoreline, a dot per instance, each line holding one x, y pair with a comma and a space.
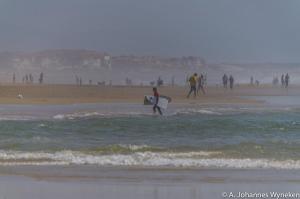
72, 94
94, 182
116, 173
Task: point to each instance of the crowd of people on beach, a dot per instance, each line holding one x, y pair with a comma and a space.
197, 84
285, 80
226, 79
29, 79
252, 83
78, 81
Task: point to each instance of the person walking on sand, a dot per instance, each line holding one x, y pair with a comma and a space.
14, 78
30, 78
225, 80
156, 100
193, 84
41, 79
287, 80
201, 84
282, 80
231, 81
26, 79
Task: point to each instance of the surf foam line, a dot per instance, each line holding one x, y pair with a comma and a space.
193, 111
200, 159
79, 115
98, 114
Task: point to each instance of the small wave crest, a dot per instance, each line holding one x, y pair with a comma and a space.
171, 112
16, 118
76, 115
194, 111
80, 115
199, 159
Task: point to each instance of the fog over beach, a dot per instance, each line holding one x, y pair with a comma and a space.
224, 37
64, 65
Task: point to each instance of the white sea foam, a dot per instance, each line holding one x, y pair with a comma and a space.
171, 112
42, 125
59, 116
200, 159
97, 114
201, 111
16, 118
77, 115
134, 147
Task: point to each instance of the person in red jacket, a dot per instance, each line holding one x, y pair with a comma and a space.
156, 96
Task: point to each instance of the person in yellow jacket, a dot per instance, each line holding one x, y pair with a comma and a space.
193, 85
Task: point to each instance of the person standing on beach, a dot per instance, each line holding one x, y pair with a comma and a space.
282, 80
231, 81
201, 84
173, 81
156, 100
26, 79
193, 84
225, 80
30, 78
287, 80
41, 79
204, 79
14, 78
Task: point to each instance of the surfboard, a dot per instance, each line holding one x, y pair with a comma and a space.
162, 102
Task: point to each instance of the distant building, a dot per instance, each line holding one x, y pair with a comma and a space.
107, 61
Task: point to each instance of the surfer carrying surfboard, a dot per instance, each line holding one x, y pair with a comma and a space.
157, 101
156, 95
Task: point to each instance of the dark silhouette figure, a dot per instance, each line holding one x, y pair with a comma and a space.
201, 84
231, 81
282, 80
225, 80
251, 81
41, 79
287, 80
14, 78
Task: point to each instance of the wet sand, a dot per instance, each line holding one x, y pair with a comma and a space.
113, 183
69, 94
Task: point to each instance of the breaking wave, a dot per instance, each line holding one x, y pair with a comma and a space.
200, 159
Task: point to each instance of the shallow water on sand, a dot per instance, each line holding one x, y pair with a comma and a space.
130, 135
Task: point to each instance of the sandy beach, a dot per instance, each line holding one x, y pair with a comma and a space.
69, 94
111, 183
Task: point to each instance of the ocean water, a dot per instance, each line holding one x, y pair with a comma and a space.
130, 135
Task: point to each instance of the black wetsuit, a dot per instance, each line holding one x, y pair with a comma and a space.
156, 95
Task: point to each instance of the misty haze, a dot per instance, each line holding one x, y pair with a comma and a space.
157, 99
145, 40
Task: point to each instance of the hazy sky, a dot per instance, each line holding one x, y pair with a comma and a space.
218, 30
